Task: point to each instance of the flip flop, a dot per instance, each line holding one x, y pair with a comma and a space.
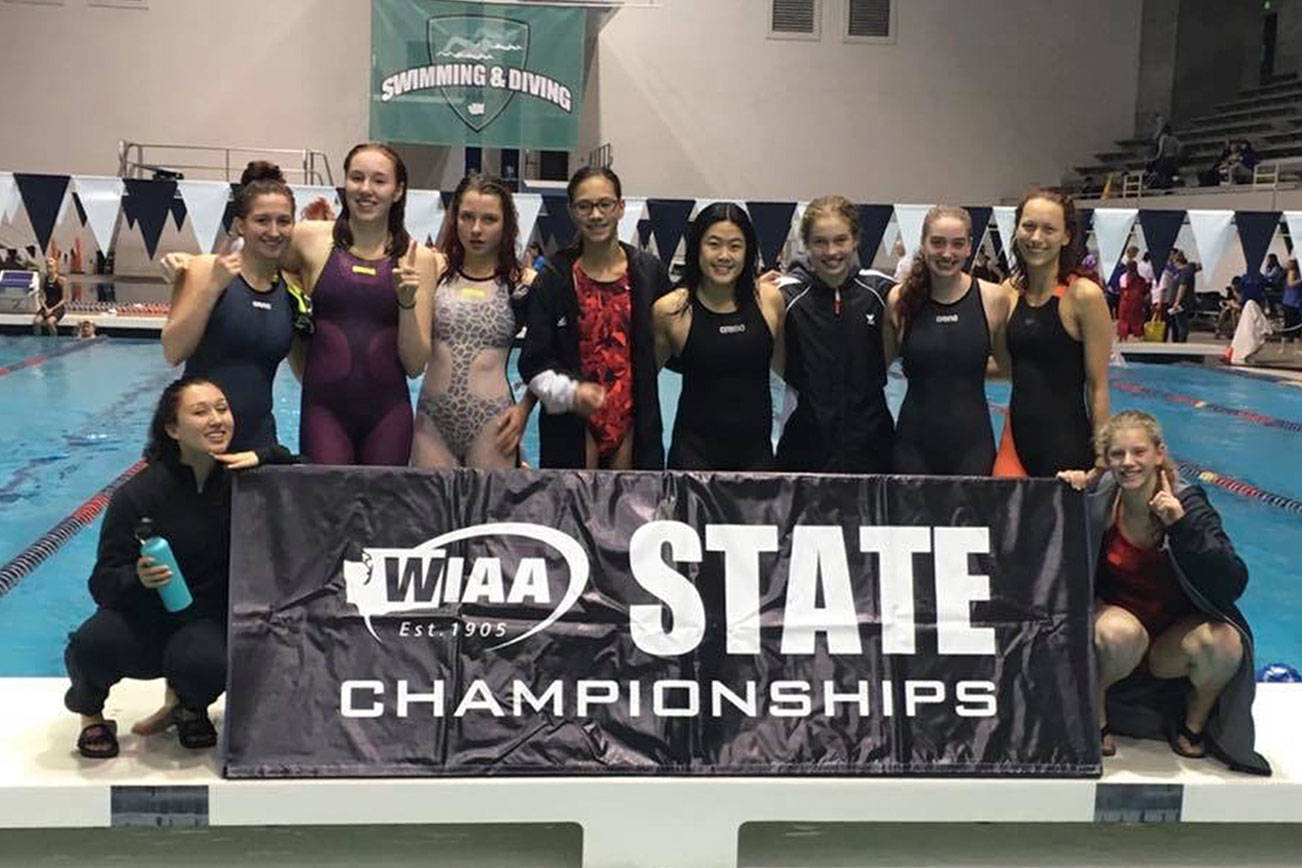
193, 728
1195, 739
1104, 747
99, 740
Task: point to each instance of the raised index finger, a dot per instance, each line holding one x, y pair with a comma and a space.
411, 254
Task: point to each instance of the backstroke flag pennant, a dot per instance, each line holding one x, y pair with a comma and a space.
527, 206
1160, 230
980, 220
1111, 230
150, 203
1005, 220
8, 196
101, 198
206, 202
910, 218
634, 211
1212, 231
43, 197
1256, 229
423, 215
873, 220
772, 222
668, 220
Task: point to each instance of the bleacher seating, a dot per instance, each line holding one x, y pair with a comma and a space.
1269, 116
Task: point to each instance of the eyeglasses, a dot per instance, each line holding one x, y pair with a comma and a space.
584, 207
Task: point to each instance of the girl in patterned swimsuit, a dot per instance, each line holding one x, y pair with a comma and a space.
466, 415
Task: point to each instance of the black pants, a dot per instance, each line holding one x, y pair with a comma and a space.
1180, 327
112, 645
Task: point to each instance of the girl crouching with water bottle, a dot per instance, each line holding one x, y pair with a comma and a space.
145, 626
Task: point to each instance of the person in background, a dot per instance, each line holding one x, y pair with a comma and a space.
535, 257
903, 260
1273, 283
984, 269
1185, 296
1291, 303
1231, 306
1130, 310
185, 491
53, 299
1164, 165
1163, 294
1173, 651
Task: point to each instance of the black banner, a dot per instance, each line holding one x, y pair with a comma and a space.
399, 622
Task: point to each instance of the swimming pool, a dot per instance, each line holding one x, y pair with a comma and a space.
74, 422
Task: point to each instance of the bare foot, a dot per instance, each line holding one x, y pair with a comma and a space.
161, 719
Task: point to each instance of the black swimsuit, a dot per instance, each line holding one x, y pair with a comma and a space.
725, 411
944, 427
1051, 428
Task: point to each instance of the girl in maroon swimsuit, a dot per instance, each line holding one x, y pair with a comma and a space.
371, 287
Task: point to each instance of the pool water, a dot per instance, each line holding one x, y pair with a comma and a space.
74, 422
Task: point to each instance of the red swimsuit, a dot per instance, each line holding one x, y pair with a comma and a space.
1142, 582
605, 351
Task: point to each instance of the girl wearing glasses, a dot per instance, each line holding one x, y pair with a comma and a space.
589, 353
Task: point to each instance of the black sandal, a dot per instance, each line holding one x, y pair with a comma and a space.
193, 728
99, 740
1175, 730
1106, 749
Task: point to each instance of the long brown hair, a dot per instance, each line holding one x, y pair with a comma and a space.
449, 241
399, 240
1070, 255
916, 288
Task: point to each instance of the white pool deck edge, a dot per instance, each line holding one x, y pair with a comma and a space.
630, 821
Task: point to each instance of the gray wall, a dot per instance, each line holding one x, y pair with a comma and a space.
975, 100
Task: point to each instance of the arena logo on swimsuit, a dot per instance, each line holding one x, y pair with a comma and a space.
819, 593
479, 65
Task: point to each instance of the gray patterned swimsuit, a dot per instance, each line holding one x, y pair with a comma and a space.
470, 317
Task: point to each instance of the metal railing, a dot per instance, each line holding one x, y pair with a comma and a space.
305, 165
601, 157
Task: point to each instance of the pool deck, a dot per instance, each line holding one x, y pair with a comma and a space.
628, 821
124, 325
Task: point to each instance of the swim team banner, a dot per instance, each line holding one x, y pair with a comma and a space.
454, 73
399, 622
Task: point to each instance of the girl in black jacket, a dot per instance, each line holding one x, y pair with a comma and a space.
589, 351
184, 490
1165, 588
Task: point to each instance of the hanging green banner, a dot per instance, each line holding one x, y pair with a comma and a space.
455, 73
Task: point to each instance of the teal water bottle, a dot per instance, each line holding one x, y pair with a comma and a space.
176, 593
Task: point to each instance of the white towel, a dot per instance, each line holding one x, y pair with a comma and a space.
1250, 335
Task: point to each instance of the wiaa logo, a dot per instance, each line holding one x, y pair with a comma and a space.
426, 579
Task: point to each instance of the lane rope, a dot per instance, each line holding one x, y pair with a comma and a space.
58, 536
41, 358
